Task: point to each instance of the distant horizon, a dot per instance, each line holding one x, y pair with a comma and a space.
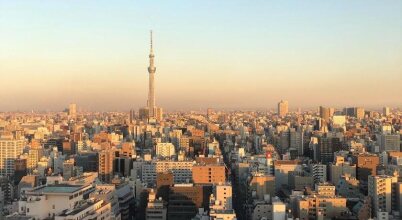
233, 55
260, 109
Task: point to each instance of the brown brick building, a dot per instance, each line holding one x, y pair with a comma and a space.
208, 174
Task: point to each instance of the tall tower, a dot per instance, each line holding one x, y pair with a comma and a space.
283, 108
151, 92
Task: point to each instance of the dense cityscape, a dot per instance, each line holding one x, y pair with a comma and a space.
327, 163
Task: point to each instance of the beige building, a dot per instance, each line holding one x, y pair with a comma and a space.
220, 203
34, 155
283, 108
72, 110
261, 185
320, 207
379, 189
282, 169
11, 149
325, 189
165, 150
106, 159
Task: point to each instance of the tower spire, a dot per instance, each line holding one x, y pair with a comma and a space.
152, 49
151, 71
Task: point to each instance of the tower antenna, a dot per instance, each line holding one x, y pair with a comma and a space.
151, 43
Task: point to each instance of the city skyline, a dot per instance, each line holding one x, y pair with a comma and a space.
273, 51
200, 110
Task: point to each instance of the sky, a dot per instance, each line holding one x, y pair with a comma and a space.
220, 54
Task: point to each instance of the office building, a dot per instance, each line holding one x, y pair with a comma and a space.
283, 108
72, 110
390, 142
386, 111
325, 114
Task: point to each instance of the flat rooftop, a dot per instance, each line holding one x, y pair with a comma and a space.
60, 188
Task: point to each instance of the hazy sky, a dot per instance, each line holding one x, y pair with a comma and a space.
223, 54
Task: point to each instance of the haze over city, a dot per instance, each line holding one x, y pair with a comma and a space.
200, 110
217, 54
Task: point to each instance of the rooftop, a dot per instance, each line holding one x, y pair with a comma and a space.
60, 188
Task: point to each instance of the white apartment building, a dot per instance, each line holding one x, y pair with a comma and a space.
182, 170
10, 149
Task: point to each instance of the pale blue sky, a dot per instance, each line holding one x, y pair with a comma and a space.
233, 54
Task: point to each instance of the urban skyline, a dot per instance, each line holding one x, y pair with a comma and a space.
200, 110
345, 58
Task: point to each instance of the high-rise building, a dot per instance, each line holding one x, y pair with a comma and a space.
379, 189
324, 113
283, 108
385, 111
106, 159
325, 149
72, 110
359, 112
366, 166
10, 150
131, 116
390, 142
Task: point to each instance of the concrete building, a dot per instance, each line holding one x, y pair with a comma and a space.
379, 189
182, 170
106, 160
51, 200
386, 111
72, 110
283, 108
348, 186
340, 167
282, 169
325, 114
184, 201
87, 209
359, 112
156, 208
223, 194
320, 207
319, 172
209, 174
11, 149
366, 165
165, 150
261, 185
390, 142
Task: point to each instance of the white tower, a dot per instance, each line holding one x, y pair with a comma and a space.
151, 92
